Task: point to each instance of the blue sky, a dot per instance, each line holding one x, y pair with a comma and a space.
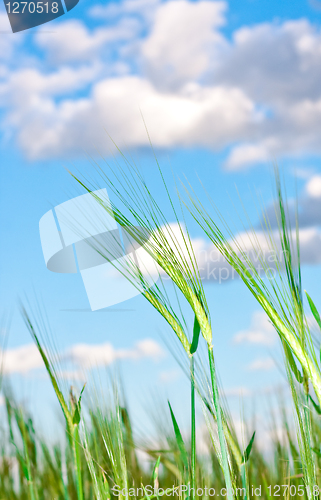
225, 88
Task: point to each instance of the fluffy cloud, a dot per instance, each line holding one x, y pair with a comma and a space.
88, 356
182, 42
282, 73
34, 85
214, 268
196, 115
61, 47
8, 43
313, 187
179, 111
169, 376
261, 364
239, 392
260, 332
26, 358
171, 61
21, 359
141, 9
309, 215
247, 154
281, 61
310, 203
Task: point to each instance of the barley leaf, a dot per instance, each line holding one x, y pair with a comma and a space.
155, 475
76, 417
179, 439
315, 405
313, 309
22, 462
246, 454
292, 363
156, 470
196, 336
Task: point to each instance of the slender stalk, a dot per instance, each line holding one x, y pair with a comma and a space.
244, 481
77, 463
193, 431
27, 460
221, 437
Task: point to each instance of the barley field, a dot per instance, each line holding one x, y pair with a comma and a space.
101, 457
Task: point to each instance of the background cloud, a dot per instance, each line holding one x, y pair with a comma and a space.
172, 62
261, 364
89, 356
214, 268
26, 358
21, 359
261, 331
91, 44
115, 105
182, 42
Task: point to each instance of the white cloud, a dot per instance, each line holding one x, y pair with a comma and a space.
313, 187
182, 41
26, 358
305, 172
73, 375
260, 332
214, 268
32, 85
143, 8
239, 392
282, 72
261, 364
88, 356
281, 67
172, 61
197, 115
260, 248
74, 42
8, 41
21, 359
247, 155
169, 376
190, 115
309, 203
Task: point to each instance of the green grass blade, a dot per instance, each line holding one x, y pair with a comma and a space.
219, 420
193, 422
196, 336
155, 479
246, 454
315, 405
179, 439
76, 417
292, 363
314, 310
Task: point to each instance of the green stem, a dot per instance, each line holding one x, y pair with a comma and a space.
77, 463
219, 420
26, 453
193, 431
244, 481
